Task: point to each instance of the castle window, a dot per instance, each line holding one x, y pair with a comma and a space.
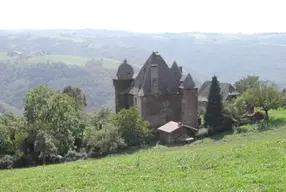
135, 100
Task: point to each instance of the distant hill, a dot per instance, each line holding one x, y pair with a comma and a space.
88, 58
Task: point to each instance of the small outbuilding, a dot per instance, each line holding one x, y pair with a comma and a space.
175, 132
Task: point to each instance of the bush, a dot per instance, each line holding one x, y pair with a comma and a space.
57, 159
73, 156
133, 128
226, 125
242, 129
106, 140
7, 162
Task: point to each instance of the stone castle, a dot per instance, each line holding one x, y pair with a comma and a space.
159, 93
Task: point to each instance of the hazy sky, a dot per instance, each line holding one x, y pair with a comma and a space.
245, 16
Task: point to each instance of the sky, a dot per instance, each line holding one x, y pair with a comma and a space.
226, 16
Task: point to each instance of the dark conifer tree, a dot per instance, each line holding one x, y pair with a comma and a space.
213, 116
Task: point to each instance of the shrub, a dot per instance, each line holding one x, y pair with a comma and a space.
73, 156
57, 159
7, 162
133, 128
226, 125
242, 129
106, 140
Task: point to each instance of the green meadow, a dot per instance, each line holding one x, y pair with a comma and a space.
251, 161
67, 59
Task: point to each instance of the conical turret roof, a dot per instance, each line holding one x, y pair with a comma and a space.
188, 82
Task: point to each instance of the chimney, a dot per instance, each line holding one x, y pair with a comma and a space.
181, 69
154, 79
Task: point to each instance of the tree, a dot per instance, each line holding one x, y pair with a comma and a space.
64, 123
284, 97
56, 113
134, 129
36, 104
213, 116
284, 91
265, 96
5, 141
10, 126
106, 140
246, 83
98, 119
78, 96
44, 145
235, 108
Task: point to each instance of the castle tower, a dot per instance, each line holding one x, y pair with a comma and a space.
189, 102
124, 79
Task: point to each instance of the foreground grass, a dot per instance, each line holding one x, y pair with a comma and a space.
255, 161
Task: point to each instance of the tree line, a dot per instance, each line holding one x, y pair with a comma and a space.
55, 128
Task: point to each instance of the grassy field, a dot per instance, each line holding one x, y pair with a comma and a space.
253, 161
67, 59
75, 60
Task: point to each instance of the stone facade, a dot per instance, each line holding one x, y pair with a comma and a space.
159, 93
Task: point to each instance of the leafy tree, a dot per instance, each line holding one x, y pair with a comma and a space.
98, 119
96, 122
10, 126
284, 91
246, 83
106, 140
5, 141
44, 145
78, 96
265, 96
213, 116
64, 123
235, 108
134, 130
36, 104
53, 112
284, 97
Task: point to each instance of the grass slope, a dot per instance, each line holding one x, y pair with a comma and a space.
255, 161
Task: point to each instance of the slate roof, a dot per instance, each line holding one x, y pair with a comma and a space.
227, 89
188, 83
167, 79
176, 71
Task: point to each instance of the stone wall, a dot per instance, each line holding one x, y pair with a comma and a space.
121, 100
159, 110
170, 138
190, 107
138, 104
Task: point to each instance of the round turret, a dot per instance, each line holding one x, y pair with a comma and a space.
125, 71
